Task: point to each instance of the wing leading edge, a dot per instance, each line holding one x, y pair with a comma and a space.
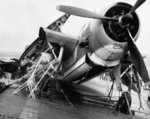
58, 37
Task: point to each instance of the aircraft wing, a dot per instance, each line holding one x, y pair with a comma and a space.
55, 26
58, 37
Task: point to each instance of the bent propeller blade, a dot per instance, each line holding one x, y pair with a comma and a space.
137, 59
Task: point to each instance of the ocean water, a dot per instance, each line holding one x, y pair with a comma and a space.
7, 55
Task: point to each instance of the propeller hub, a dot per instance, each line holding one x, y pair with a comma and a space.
126, 19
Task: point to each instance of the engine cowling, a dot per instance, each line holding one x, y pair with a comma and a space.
116, 31
108, 39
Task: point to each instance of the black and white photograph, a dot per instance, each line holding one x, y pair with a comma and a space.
74, 59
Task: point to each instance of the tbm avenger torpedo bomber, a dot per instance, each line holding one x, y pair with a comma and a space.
106, 42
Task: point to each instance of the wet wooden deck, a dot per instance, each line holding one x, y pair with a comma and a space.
22, 107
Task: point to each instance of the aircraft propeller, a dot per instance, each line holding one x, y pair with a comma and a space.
136, 5
88, 14
83, 13
124, 21
137, 58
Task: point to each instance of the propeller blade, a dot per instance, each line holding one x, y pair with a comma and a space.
137, 4
137, 59
83, 13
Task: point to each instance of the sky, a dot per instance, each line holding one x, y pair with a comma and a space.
20, 20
